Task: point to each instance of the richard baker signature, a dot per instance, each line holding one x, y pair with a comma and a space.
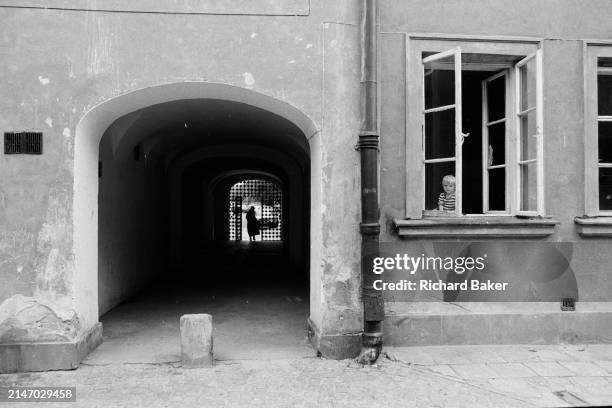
427, 284
414, 264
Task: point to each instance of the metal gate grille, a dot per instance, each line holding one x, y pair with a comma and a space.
235, 218
267, 198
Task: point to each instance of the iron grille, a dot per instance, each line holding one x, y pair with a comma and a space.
235, 210
267, 198
23, 143
568, 304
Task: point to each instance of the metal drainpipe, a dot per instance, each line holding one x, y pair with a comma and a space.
368, 146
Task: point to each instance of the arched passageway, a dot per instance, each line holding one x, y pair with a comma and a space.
164, 247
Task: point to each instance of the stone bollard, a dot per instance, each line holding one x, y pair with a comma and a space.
196, 340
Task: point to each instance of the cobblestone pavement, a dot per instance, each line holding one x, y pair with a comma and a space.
459, 376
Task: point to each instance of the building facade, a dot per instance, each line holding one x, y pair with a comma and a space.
144, 109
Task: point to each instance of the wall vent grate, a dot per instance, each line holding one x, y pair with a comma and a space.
568, 304
23, 143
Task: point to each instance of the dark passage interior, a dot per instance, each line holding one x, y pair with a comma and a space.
173, 184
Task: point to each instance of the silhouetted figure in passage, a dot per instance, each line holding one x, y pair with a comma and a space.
252, 223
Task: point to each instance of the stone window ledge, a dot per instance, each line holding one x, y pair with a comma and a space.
475, 227
594, 226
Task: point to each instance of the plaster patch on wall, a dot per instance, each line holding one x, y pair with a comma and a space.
3, 204
253, 35
49, 122
249, 80
66, 133
102, 35
27, 319
44, 81
309, 45
55, 261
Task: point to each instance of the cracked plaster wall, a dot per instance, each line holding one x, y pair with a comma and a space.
562, 25
57, 65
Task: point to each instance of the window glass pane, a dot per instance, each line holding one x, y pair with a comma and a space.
605, 189
604, 94
497, 189
496, 99
439, 87
527, 95
440, 134
528, 136
605, 142
528, 187
496, 151
434, 175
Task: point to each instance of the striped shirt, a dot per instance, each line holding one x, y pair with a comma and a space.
447, 202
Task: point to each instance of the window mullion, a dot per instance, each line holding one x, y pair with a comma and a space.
540, 132
518, 184
458, 135
485, 146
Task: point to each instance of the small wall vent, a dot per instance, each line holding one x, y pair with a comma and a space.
23, 143
568, 304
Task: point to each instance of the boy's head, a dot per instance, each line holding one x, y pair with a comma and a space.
448, 184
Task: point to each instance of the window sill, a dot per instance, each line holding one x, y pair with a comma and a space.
593, 227
475, 227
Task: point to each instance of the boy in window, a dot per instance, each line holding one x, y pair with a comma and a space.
446, 200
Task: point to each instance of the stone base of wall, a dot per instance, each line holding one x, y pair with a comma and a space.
22, 357
334, 346
501, 324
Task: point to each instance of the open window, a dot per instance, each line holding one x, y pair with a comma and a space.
598, 131
482, 133
604, 134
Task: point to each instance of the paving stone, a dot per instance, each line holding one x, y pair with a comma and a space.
511, 370
447, 355
517, 354
601, 351
584, 369
443, 369
410, 355
596, 385
605, 364
473, 371
549, 369
480, 354
548, 401
553, 354
583, 353
313, 382
518, 387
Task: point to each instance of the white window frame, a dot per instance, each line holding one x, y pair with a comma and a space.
456, 53
415, 161
485, 143
592, 52
539, 159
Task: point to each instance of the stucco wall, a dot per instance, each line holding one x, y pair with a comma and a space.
59, 64
561, 28
132, 227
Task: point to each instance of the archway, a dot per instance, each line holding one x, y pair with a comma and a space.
154, 156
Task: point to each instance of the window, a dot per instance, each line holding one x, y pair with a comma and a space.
598, 130
604, 133
481, 130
